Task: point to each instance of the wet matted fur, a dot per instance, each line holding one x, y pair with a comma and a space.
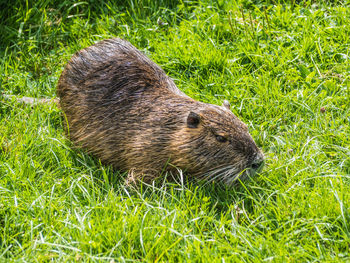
122, 108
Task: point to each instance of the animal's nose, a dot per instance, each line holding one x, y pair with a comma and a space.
258, 163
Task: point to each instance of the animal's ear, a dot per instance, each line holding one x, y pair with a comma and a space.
226, 104
193, 120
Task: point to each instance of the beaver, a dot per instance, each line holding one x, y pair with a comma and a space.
123, 109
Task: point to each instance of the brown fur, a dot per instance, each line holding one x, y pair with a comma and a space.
123, 108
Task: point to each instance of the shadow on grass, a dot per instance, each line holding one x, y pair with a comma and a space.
23, 20
184, 191
169, 191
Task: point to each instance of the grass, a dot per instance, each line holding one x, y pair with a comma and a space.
283, 66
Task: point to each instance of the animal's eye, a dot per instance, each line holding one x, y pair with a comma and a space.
220, 138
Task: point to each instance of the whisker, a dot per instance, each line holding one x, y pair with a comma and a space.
215, 174
226, 174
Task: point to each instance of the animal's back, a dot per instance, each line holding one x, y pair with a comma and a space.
106, 92
111, 67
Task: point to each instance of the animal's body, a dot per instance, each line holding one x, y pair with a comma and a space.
121, 107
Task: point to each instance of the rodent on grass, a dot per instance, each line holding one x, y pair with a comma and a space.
122, 108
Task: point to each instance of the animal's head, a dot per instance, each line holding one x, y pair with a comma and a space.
216, 146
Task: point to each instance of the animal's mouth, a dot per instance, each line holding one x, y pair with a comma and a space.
231, 175
258, 163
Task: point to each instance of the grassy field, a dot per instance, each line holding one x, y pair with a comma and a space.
283, 67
